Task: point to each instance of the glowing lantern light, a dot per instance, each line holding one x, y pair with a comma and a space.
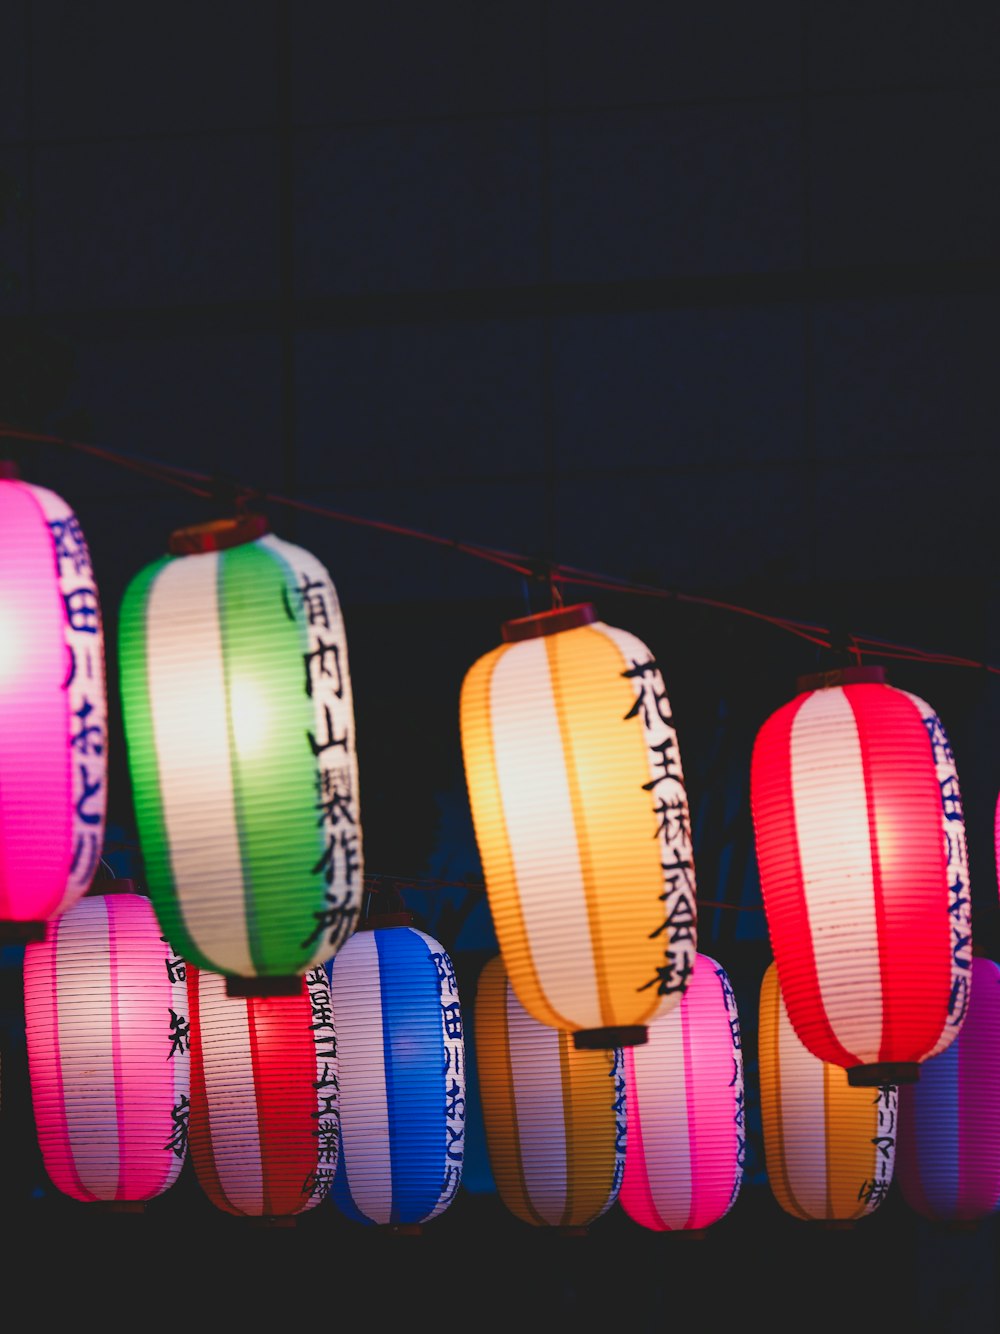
107, 1038
864, 873
829, 1147
554, 1115
684, 1098
264, 1133
53, 711
581, 817
239, 723
402, 1075
948, 1156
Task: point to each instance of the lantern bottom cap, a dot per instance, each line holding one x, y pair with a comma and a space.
265, 986
883, 1072
605, 1039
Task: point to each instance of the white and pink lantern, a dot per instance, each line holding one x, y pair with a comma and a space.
108, 1045
684, 1092
53, 710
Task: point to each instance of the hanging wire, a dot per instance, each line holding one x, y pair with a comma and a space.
206, 487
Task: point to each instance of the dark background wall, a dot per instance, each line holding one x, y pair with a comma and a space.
693, 299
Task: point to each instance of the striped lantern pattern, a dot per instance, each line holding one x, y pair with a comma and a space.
53, 711
554, 1116
948, 1159
402, 1077
684, 1094
264, 1128
108, 1043
581, 817
864, 876
239, 723
829, 1147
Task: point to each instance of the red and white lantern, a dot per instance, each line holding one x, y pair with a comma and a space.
864, 875
264, 1130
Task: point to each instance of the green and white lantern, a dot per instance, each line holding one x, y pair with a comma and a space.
239, 729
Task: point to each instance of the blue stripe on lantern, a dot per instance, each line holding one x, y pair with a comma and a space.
340, 1191
414, 1059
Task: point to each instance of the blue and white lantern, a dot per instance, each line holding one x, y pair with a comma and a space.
402, 1077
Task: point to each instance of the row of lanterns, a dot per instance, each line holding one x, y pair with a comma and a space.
240, 737
355, 1089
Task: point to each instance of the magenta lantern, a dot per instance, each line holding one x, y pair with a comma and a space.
684, 1104
108, 1044
53, 711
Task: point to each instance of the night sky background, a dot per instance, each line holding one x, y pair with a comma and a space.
689, 311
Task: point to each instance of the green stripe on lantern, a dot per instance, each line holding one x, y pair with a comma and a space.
273, 773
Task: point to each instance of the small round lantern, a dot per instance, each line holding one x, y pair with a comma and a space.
829, 1147
685, 1104
554, 1115
239, 723
402, 1075
948, 1158
264, 1128
108, 1045
581, 816
53, 710
864, 873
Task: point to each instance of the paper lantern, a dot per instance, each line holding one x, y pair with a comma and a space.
402, 1077
864, 873
684, 1094
264, 1130
829, 1147
554, 1115
239, 723
581, 817
948, 1157
53, 711
108, 1044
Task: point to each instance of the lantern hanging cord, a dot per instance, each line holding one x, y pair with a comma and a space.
206, 487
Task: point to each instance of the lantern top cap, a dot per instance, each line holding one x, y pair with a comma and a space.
217, 534
9, 471
549, 622
842, 676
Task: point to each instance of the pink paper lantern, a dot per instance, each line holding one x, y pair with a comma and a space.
107, 1036
948, 1154
264, 1129
53, 711
685, 1110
